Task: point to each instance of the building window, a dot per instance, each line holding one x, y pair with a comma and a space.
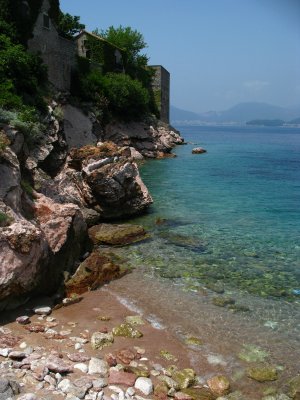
46, 21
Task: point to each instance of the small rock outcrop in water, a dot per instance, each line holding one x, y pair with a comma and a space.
198, 150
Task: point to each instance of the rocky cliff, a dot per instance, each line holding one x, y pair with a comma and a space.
68, 179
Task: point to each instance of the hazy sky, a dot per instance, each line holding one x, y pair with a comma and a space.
219, 52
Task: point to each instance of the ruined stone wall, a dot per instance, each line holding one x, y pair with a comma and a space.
58, 54
161, 88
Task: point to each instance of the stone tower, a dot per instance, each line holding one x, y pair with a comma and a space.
161, 89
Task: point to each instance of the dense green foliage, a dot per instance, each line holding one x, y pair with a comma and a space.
69, 25
128, 95
22, 76
103, 53
132, 43
115, 94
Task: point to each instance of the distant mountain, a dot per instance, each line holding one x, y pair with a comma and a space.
240, 113
177, 114
295, 121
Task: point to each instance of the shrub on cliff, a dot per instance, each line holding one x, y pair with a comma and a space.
117, 95
22, 76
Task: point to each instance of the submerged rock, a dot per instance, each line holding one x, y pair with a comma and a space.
221, 301
219, 385
193, 341
263, 373
117, 234
185, 377
100, 340
126, 330
252, 353
294, 385
199, 393
189, 242
134, 320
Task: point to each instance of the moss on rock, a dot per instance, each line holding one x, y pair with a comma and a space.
263, 373
126, 330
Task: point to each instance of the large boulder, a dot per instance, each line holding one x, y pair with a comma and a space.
33, 255
23, 253
119, 190
117, 234
101, 178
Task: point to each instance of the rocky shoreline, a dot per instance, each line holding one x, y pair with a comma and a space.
61, 182
58, 199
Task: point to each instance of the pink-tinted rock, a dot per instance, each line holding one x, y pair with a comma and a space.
78, 357
111, 360
56, 364
36, 328
126, 356
7, 340
39, 370
93, 272
122, 378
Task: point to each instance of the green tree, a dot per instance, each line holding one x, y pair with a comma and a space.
132, 42
69, 25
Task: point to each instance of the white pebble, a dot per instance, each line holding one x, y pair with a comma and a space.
82, 367
145, 385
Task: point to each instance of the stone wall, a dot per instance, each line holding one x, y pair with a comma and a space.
59, 54
161, 88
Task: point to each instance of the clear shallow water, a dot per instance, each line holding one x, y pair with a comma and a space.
225, 220
232, 215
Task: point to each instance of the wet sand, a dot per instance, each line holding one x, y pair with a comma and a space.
171, 318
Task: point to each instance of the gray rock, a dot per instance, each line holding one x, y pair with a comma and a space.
99, 384
145, 385
23, 320
82, 367
5, 389
5, 352
17, 355
100, 340
98, 366
28, 396
44, 310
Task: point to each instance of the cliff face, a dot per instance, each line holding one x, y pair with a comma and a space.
50, 193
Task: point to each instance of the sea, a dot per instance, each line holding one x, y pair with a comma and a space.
223, 259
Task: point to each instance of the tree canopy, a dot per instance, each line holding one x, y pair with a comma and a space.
69, 25
132, 43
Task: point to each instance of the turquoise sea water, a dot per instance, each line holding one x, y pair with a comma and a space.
230, 217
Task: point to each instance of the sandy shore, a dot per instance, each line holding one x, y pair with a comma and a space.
107, 308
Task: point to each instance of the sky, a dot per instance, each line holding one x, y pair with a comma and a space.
219, 52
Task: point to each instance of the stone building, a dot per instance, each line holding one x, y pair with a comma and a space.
161, 89
99, 51
58, 53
